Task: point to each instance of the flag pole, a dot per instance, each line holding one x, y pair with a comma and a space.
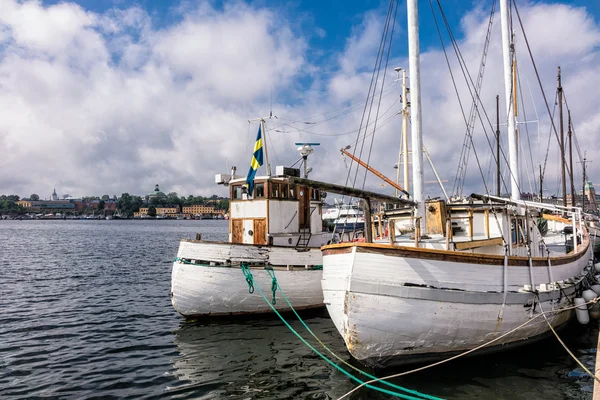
264, 139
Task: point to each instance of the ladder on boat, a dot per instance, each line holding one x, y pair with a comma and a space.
304, 238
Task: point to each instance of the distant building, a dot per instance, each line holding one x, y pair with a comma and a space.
199, 210
156, 194
167, 212
54, 196
46, 205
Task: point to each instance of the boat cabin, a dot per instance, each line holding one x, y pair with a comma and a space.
275, 213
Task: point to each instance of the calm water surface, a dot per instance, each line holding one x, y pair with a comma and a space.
85, 312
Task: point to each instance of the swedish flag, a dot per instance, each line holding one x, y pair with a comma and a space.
257, 161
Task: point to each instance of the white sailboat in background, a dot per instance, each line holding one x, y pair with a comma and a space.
482, 270
273, 225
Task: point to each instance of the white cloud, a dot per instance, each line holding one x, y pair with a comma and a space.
107, 103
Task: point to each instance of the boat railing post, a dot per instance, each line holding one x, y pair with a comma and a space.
574, 222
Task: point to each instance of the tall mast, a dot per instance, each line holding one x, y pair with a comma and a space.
415, 103
562, 142
499, 190
403, 152
570, 133
512, 136
405, 129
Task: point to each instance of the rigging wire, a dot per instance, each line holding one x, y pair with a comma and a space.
539, 81
380, 95
371, 95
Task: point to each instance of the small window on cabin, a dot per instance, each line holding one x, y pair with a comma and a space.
292, 192
314, 194
285, 191
259, 190
236, 192
275, 190
518, 231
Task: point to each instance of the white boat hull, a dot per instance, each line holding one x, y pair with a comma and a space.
207, 279
394, 310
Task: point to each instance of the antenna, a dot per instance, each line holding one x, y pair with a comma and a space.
305, 150
271, 106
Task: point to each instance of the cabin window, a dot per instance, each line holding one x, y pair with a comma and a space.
259, 190
275, 190
292, 192
285, 191
236, 192
314, 194
518, 231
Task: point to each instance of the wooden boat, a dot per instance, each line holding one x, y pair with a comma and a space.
470, 273
276, 225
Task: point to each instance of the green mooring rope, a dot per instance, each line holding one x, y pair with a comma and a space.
273, 284
247, 273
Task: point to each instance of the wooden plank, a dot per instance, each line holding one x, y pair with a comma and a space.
551, 217
478, 243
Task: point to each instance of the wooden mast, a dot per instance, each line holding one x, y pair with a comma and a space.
562, 142
572, 174
499, 190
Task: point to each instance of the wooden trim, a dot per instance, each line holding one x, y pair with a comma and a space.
478, 243
453, 256
552, 217
471, 224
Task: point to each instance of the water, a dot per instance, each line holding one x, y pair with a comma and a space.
85, 312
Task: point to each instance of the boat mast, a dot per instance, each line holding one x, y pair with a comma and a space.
499, 190
404, 144
405, 128
415, 103
562, 141
508, 83
570, 133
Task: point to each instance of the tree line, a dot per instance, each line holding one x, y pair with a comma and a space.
127, 204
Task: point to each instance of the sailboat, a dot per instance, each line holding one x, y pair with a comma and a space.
275, 227
471, 273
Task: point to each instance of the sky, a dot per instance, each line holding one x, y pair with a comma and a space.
111, 96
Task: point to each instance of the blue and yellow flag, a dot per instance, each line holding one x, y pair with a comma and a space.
257, 161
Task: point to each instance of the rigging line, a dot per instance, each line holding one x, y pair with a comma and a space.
354, 105
464, 160
462, 63
573, 129
520, 88
465, 74
381, 93
549, 135
375, 78
539, 80
349, 110
450, 69
366, 135
461, 108
476, 94
366, 103
333, 134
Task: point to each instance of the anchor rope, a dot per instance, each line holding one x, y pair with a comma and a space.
594, 301
245, 269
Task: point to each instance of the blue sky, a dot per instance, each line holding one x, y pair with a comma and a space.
145, 92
